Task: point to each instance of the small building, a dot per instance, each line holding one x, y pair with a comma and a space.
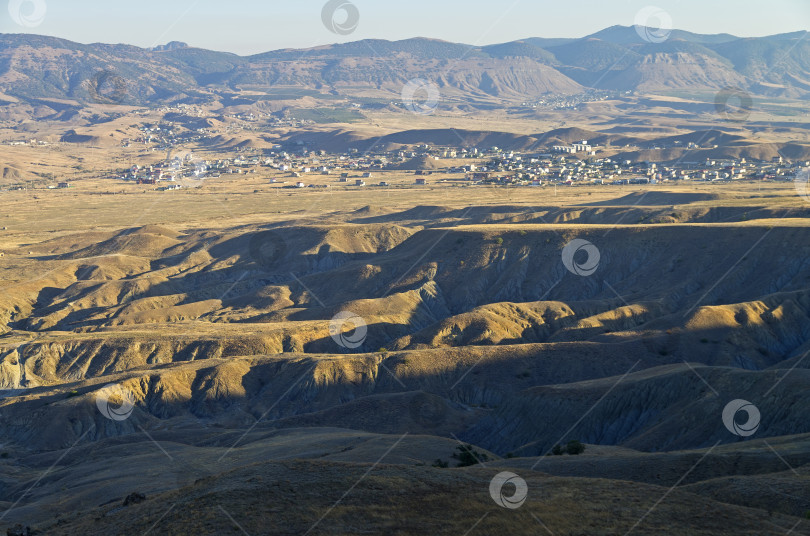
421, 182
360, 182
63, 185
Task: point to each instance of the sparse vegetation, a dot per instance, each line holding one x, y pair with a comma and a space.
467, 456
572, 448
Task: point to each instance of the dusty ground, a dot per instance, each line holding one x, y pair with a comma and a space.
211, 306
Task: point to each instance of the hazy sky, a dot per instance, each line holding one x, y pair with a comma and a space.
251, 26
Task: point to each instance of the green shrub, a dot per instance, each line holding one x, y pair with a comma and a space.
557, 450
468, 456
441, 464
574, 448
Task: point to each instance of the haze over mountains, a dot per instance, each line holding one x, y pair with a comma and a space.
39, 67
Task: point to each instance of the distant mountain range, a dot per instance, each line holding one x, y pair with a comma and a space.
39, 67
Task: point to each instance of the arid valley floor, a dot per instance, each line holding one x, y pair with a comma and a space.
247, 413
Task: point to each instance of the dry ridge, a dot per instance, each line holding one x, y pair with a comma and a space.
477, 333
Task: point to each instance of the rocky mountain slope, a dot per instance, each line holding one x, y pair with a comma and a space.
42, 68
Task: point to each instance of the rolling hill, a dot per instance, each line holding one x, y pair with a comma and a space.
245, 398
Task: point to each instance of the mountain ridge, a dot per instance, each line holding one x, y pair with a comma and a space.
614, 59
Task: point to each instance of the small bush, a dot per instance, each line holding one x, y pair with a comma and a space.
441, 464
73, 394
574, 448
468, 456
557, 450
499, 241
704, 341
